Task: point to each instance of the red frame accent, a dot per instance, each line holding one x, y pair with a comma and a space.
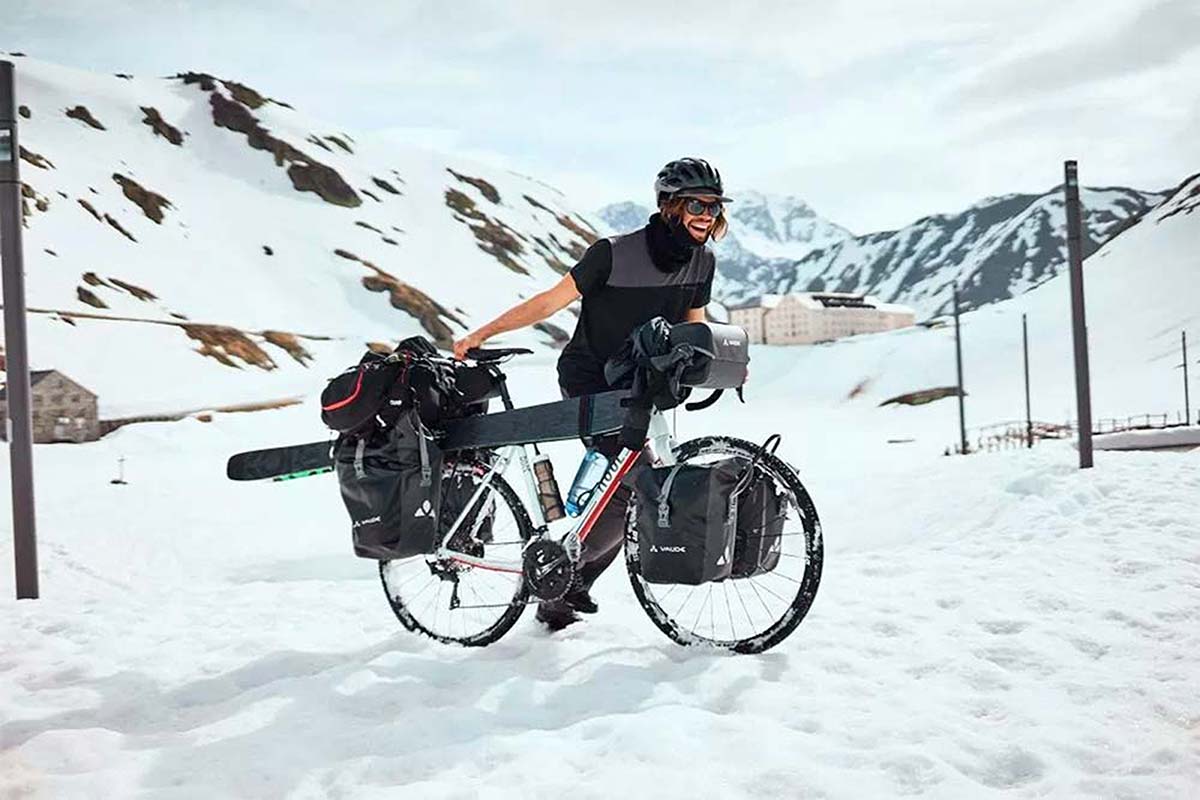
589, 521
608, 493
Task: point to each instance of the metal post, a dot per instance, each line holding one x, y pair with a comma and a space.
962, 419
1028, 414
1083, 390
1187, 400
20, 420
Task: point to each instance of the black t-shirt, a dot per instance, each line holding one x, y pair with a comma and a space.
622, 288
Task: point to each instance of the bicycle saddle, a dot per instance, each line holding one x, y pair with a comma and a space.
495, 353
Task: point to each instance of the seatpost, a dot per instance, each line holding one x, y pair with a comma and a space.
502, 380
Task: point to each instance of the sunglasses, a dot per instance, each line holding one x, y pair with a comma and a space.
697, 207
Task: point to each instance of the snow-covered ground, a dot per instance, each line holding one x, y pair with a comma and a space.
992, 623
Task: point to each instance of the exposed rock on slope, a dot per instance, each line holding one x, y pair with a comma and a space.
151, 203
407, 298
486, 189
494, 237
306, 173
161, 127
39, 161
83, 115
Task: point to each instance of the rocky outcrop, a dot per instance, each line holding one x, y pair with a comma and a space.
228, 345
922, 397
117, 226
151, 203
290, 343
306, 173
141, 294
314, 139
493, 236
39, 161
92, 279
573, 248
578, 227
238, 91
24, 111
90, 209
83, 115
341, 143
486, 189
387, 187
161, 127
31, 201
89, 297
430, 313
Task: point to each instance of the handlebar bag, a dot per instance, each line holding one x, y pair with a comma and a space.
721, 357
761, 511
390, 480
687, 521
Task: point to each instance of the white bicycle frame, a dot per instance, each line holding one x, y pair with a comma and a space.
659, 449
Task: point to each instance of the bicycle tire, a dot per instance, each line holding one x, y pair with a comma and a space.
806, 592
516, 605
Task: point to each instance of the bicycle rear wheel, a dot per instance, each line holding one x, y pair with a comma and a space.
458, 603
747, 614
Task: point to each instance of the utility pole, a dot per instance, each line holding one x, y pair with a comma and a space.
1083, 389
962, 418
1187, 400
20, 419
1028, 414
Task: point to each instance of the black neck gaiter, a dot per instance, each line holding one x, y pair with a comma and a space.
671, 246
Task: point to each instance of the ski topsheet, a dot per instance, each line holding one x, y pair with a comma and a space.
280, 462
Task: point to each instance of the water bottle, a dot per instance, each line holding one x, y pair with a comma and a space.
591, 470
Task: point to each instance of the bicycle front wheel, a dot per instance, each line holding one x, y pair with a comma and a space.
743, 614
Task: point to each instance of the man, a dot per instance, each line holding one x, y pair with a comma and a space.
661, 270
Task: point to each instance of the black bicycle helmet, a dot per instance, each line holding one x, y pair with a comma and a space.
687, 177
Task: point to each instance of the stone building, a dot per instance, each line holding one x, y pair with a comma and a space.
810, 317
63, 411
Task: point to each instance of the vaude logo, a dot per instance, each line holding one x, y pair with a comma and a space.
426, 510
730, 342
358, 523
667, 548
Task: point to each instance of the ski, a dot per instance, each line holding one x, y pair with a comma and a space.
281, 463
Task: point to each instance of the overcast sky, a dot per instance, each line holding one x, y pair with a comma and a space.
876, 112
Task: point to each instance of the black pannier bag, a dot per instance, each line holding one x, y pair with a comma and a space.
352, 400
391, 486
722, 354
761, 511
687, 521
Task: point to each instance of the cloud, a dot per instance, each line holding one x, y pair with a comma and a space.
1155, 36
874, 111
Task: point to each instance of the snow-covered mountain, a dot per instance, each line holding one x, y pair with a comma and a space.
198, 637
766, 232
996, 249
238, 250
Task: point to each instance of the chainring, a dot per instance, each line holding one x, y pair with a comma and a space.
548, 569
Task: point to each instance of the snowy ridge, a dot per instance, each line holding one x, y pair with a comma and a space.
385, 242
996, 249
